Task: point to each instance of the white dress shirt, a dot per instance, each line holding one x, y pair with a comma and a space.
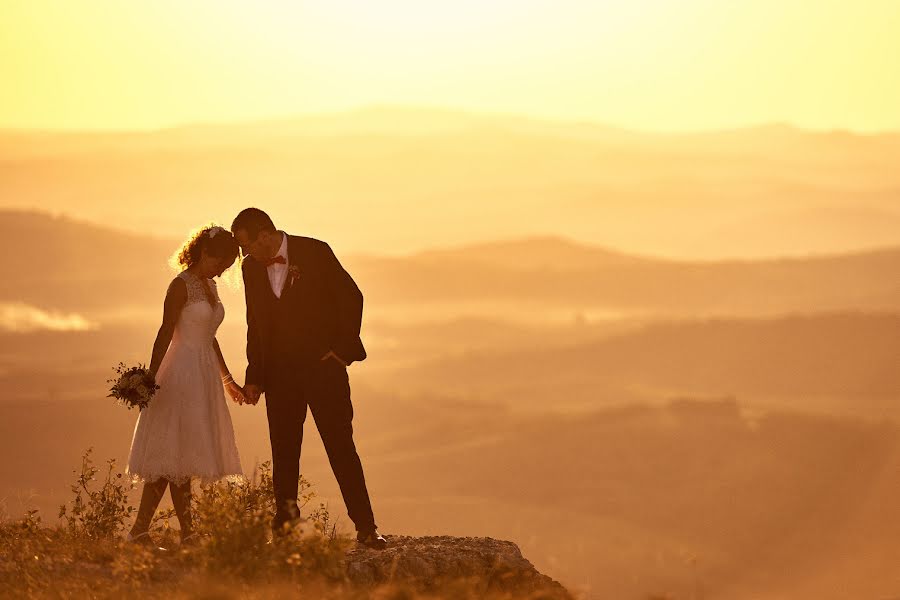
277, 271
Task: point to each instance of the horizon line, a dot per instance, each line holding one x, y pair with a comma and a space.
475, 113
463, 246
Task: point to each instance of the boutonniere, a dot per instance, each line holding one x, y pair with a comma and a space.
293, 274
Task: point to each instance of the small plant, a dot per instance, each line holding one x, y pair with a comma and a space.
322, 521
235, 518
161, 527
97, 513
31, 522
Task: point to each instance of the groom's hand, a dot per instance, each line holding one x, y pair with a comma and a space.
252, 392
331, 354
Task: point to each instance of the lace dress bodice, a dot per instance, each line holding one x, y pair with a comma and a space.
199, 319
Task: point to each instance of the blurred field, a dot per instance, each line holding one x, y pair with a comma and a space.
624, 455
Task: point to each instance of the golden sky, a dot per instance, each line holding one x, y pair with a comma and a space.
642, 64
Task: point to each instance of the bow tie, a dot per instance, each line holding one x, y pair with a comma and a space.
271, 261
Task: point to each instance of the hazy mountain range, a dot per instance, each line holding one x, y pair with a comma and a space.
521, 318
397, 180
64, 264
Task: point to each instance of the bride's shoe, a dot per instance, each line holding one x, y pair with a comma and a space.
143, 539
190, 541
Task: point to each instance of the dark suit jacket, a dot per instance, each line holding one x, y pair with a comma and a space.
320, 309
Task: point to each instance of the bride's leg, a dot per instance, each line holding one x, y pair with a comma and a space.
150, 498
181, 498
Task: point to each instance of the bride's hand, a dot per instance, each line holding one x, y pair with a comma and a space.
236, 392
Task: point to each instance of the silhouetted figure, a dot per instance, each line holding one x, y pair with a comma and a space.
304, 313
185, 432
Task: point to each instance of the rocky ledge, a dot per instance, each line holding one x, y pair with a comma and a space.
432, 563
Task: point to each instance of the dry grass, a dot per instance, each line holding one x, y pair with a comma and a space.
85, 556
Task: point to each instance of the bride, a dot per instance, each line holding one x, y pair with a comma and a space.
186, 429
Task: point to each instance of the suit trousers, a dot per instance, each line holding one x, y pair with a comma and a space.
325, 388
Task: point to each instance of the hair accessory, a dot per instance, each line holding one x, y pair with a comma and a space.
214, 230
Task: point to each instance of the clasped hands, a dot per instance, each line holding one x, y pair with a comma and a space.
238, 394
250, 393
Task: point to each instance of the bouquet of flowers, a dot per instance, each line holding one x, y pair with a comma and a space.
135, 386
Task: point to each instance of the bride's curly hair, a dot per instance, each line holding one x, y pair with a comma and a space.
220, 244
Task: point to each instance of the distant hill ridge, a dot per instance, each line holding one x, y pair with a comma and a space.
418, 121
550, 250
74, 263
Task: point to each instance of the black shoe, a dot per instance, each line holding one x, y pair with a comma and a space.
285, 520
283, 528
371, 539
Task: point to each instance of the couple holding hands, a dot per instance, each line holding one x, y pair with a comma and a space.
304, 313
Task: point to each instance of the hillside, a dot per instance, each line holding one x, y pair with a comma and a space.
85, 267
62, 263
558, 273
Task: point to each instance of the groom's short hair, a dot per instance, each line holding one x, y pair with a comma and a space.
253, 221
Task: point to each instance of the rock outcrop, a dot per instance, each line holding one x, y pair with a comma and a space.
432, 563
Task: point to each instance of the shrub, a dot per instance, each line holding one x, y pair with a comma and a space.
234, 517
97, 513
85, 556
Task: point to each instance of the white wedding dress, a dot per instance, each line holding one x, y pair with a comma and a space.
186, 429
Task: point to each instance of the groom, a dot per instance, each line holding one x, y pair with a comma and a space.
303, 318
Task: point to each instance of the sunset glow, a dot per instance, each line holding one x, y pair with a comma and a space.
645, 64
613, 283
